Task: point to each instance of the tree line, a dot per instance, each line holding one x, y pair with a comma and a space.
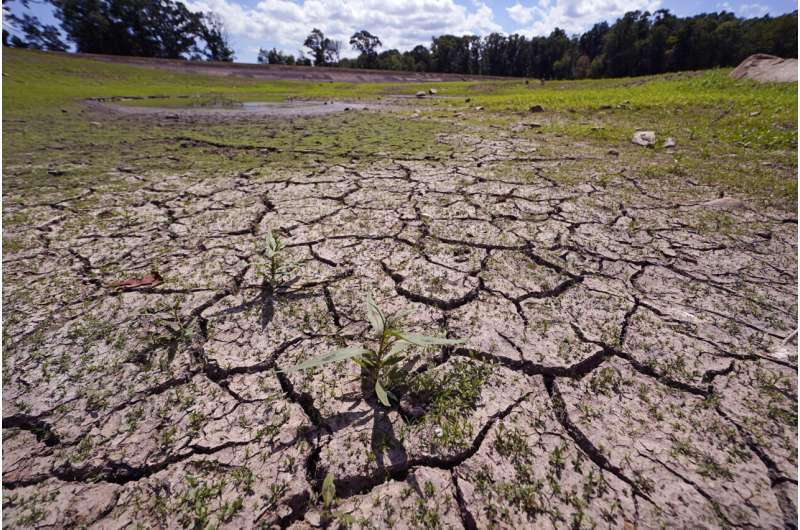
638, 43
143, 28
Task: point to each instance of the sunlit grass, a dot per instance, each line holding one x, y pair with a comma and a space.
738, 133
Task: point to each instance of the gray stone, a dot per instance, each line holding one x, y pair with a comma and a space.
644, 138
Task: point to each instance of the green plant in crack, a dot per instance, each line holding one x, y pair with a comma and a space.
448, 398
277, 268
380, 365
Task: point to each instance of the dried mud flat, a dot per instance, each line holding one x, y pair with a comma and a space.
285, 110
630, 359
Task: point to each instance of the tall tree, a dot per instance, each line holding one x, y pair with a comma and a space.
29, 32
324, 50
149, 28
216, 37
367, 45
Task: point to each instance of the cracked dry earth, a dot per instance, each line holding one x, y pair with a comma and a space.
631, 358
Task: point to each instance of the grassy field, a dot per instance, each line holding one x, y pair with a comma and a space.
739, 133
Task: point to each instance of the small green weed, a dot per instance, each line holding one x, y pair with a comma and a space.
380, 365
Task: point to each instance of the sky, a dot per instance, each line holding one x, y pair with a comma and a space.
402, 24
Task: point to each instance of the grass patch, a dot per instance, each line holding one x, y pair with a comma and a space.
740, 135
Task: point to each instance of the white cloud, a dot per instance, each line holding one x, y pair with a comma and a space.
576, 16
521, 14
400, 24
752, 10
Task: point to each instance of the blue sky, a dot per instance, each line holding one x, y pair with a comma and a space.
402, 24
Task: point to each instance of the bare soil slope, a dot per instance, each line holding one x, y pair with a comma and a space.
767, 68
275, 72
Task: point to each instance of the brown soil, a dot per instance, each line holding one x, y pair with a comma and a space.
640, 350
273, 71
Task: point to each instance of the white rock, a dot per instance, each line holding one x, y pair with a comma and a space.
645, 138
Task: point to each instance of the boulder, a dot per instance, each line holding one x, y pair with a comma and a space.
421, 94
432, 91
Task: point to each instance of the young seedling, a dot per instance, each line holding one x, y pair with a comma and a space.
328, 491
278, 267
379, 364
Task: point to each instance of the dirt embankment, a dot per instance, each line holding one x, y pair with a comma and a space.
284, 72
767, 68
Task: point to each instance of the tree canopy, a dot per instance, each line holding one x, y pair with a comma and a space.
638, 43
324, 50
146, 28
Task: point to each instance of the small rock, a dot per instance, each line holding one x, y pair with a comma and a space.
286, 437
605, 107
518, 128
346, 108
478, 108
432, 91
467, 100
55, 172
171, 116
536, 108
313, 518
412, 410
421, 94
669, 143
755, 113
613, 152
645, 138
96, 123
64, 111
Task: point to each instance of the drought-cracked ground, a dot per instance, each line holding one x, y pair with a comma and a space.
629, 358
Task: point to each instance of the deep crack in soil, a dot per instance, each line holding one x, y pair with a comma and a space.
630, 360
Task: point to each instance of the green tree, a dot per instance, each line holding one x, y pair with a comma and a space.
324, 50
213, 32
367, 44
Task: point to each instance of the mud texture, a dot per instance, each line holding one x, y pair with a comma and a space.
288, 109
630, 356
